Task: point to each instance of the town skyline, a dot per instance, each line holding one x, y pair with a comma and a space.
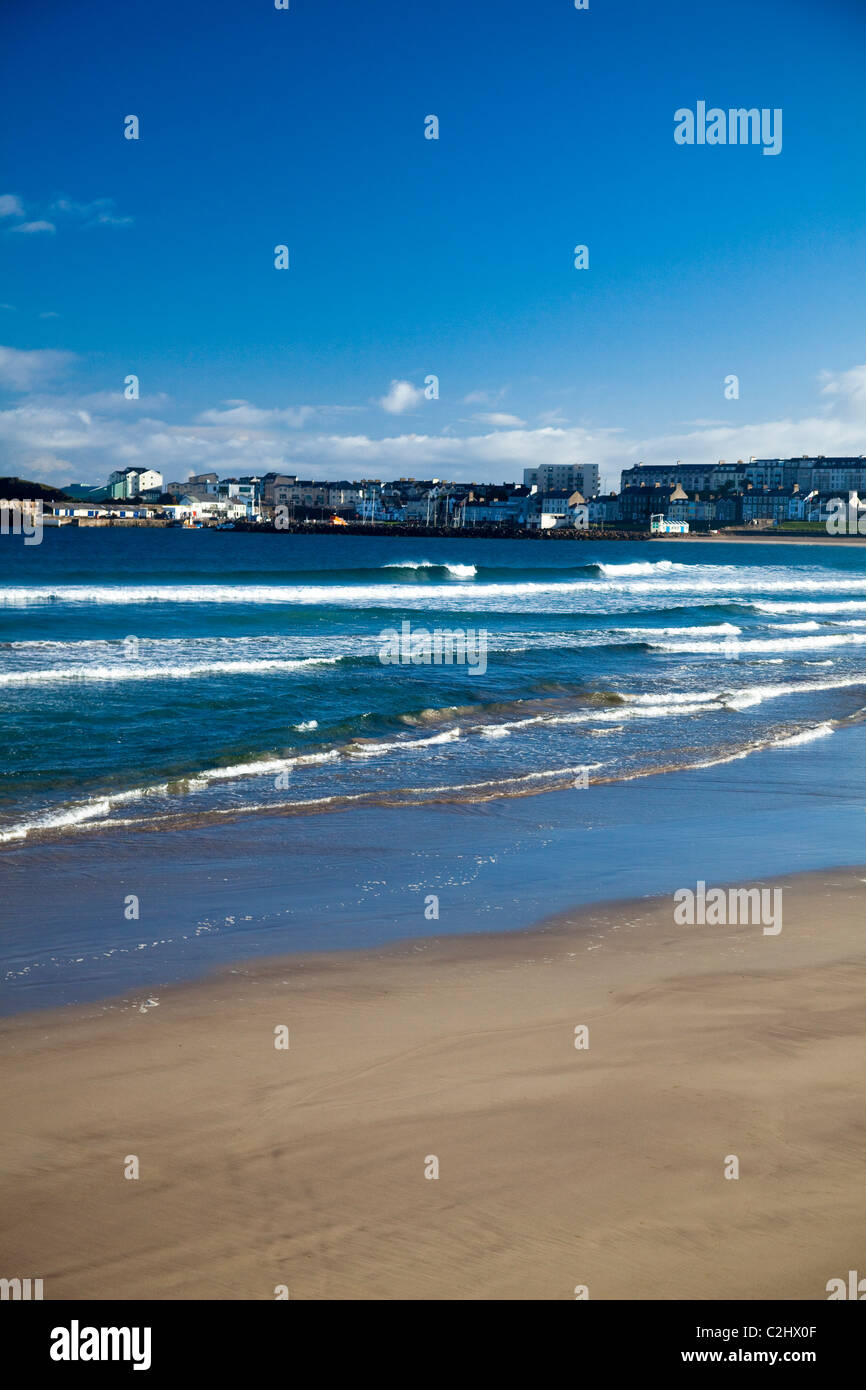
432, 319
662, 499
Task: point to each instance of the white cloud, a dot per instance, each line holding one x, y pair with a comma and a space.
849, 388
242, 414
91, 435
98, 213
49, 468
840, 429
22, 370
40, 226
101, 212
500, 421
485, 397
115, 400
402, 395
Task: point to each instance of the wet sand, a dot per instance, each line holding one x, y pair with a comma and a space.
558, 1167
760, 538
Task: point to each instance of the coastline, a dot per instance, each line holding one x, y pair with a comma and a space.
263, 887
777, 537
403, 532
481, 533
558, 1166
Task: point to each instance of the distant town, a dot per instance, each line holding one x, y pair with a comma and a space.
782, 494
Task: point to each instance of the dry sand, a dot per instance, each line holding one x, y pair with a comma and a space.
557, 1167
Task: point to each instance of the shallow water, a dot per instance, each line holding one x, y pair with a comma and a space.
203, 719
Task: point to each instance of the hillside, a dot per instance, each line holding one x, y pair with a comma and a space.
21, 488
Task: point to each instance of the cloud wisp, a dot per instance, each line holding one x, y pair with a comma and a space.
50, 434
19, 217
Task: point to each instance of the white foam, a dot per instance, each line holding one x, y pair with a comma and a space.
661, 578
642, 567
129, 671
372, 750
810, 606
745, 700
748, 695
459, 571
805, 736
762, 644
513, 781
76, 814
707, 630
726, 758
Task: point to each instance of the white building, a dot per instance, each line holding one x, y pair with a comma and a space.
209, 509
129, 482
660, 526
563, 477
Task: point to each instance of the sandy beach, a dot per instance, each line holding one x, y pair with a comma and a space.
600, 1166
764, 538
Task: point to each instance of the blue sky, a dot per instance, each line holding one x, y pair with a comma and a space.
412, 257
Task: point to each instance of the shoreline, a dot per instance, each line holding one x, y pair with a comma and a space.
780, 538
396, 531
558, 1166
215, 895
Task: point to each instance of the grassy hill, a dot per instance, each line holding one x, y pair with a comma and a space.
11, 488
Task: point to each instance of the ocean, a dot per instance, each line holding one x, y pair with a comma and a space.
203, 721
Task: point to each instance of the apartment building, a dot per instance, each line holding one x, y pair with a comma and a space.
563, 477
